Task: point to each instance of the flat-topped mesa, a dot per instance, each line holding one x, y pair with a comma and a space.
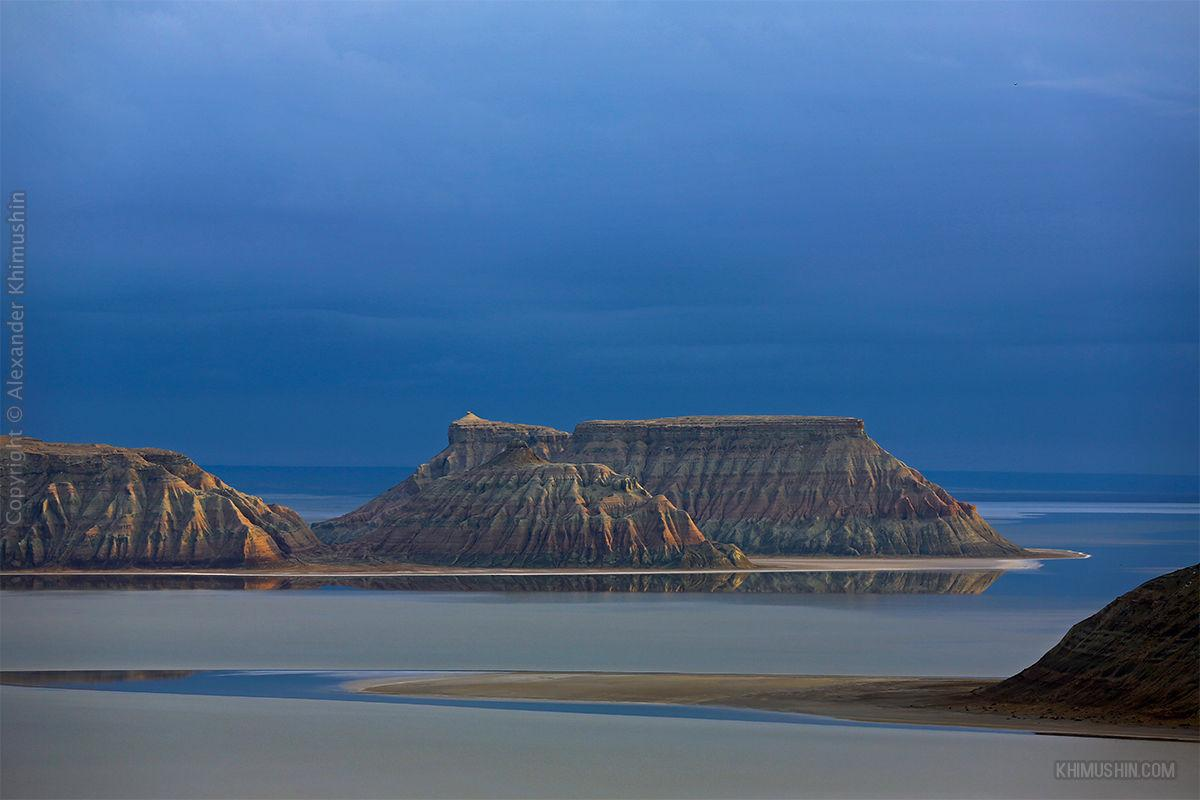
518, 509
788, 484
98, 505
472, 441
814, 427
769, 484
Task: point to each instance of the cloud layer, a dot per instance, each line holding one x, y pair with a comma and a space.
315, 233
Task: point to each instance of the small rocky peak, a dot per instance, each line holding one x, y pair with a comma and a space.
469, 418
517, 453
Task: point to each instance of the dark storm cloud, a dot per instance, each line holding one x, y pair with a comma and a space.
314, 234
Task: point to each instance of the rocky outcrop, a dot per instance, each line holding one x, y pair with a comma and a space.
786, 484
520, 509
771, 485
472, 441
1135, 660
97, 505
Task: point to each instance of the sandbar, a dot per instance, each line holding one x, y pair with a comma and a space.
903, 700
760, 564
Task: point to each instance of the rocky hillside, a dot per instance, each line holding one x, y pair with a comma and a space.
791, 485
96, 505
472, 441
520, 509
1136, 660
796, 485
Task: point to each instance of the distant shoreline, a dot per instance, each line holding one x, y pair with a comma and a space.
942, 702
762, 564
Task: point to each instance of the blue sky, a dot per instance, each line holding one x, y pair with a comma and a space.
310, 234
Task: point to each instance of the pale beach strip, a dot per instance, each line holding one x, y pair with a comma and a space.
924, 701
762, 564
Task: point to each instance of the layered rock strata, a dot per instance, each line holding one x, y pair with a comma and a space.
472, 441
97, 505
520, 509
787, 484
1136, 659
771, 485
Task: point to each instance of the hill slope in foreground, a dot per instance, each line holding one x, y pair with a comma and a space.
1136, 659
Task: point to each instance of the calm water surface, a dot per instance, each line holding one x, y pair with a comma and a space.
189, 741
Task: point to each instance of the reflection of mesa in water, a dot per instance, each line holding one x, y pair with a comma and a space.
873, 582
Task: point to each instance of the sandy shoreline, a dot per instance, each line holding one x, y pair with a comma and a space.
761, 564
905, 700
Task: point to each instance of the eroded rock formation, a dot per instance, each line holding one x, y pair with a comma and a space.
1137, 659
97, 505
791, 485
473, 441
788, 485
520, 509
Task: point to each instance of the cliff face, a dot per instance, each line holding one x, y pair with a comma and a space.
472, 441
1136, 659
519, 509
790, 485
96, 505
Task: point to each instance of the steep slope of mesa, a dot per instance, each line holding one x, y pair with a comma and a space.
97, 505
519, 509
472, 441
791, 485
1137, 659
787, 484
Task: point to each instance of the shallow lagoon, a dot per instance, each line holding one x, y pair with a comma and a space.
187, 744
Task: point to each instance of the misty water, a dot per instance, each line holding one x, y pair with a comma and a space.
242, 731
